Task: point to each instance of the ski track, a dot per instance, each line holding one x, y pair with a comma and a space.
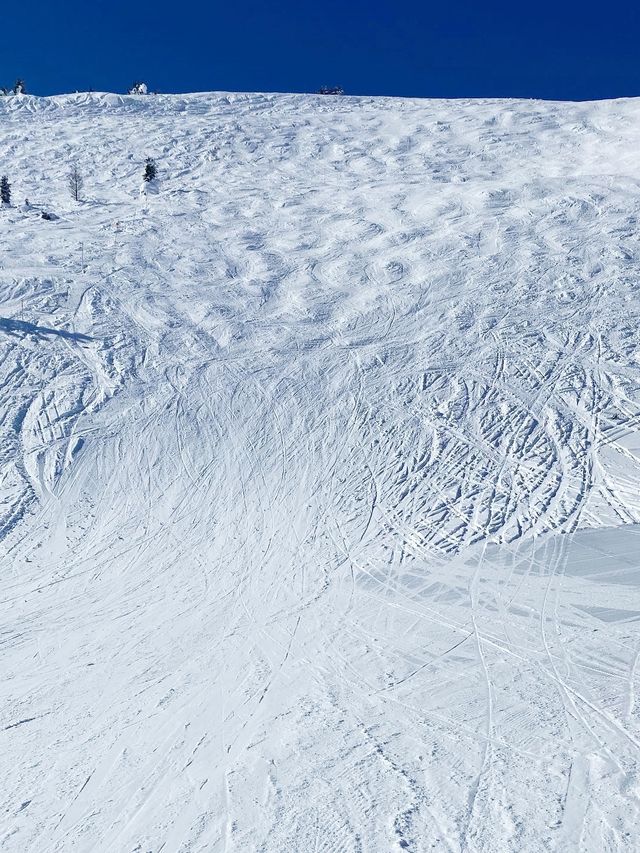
319, 507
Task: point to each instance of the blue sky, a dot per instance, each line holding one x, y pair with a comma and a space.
455, 49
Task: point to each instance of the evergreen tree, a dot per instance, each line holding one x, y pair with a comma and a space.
76, 182
5, 190
150, 170
19, 87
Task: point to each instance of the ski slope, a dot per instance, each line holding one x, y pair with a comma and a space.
319, 476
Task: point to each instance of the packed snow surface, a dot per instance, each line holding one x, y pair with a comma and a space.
319, 476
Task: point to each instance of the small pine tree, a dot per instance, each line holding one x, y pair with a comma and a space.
150, 170
76, 182
19, 87
5, 190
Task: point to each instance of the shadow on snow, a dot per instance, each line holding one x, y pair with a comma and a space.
17, 327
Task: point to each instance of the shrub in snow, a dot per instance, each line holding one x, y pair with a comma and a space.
150, 170
139, 88
19, 88
5, 190
76, 182
330, 90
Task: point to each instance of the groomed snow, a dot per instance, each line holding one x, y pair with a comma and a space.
319, 476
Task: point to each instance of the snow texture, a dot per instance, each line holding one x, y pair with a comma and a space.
319, 476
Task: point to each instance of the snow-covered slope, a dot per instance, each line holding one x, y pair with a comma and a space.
319, 476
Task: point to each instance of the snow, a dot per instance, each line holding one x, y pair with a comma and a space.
319, 472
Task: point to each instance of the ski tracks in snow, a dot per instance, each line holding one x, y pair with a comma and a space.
319, 488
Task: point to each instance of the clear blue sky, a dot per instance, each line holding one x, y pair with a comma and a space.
561, 49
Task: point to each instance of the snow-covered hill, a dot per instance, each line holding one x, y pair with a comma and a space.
319, 476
